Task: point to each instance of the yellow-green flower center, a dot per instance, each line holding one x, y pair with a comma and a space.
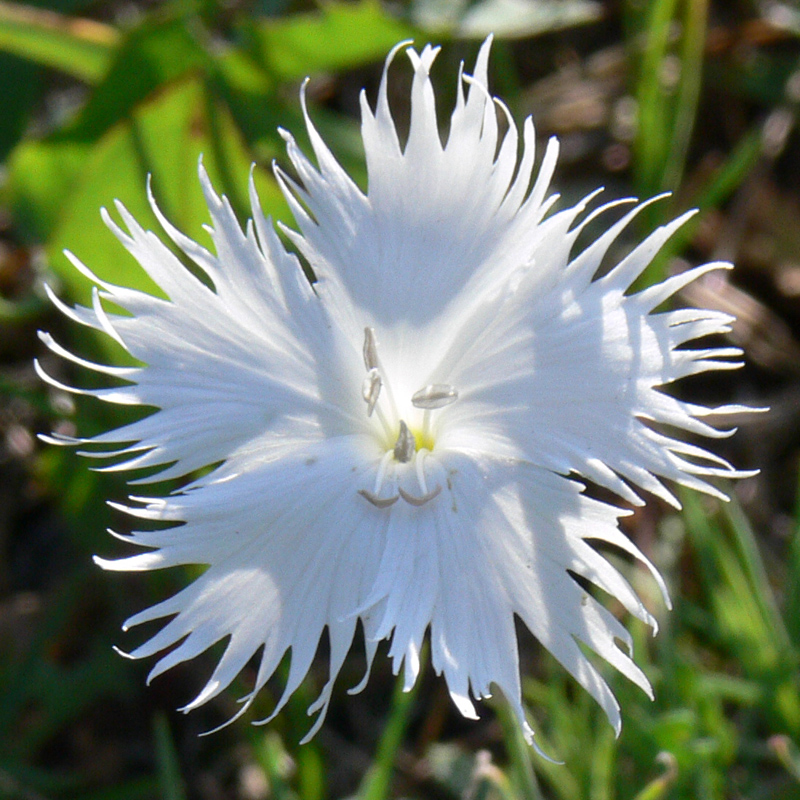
403, 444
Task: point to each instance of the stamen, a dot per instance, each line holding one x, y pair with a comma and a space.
419, 501
382, 467
372, 362
435, 395
370, 349
379, 502
420, 465
371, 389
426, 423
406, 445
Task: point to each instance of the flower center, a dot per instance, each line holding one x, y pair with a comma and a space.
409, 445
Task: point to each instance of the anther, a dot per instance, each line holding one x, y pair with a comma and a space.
419, 501
435, 395
371, 389
406, 445
379, 502
370, 349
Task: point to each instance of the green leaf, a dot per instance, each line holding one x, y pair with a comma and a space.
169, 768
667, 101
660, 787
788, 754
311, 773
250, 93
740, 594
792, 601
20, 86
162, 49
341, 36
80, 47
277, 765
59, 692
165, 139
521, 774
376, 782
42, 174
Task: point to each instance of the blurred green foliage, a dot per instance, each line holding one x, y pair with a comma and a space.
146, 98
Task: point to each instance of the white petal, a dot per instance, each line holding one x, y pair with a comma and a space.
498, 542
510, 361
463, 201
291, 549
571, 379
222, 365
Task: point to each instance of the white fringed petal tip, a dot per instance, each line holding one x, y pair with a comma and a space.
395, 441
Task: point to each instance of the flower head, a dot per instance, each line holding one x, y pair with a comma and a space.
399, 443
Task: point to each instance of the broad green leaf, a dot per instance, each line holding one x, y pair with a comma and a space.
165, 138
157, 51
43, 173
41, 176
80, 47
20, 87
341, 36
250, 93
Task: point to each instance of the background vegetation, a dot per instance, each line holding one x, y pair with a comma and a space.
698, 97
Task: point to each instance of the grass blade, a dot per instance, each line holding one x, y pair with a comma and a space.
169, 768
375, 785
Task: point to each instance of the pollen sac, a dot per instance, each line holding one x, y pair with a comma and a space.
379, 502
371, 389
419, 501
435, 395
406, 445
370, 349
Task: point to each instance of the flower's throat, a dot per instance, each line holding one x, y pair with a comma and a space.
408, 446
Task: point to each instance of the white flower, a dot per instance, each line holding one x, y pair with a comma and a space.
398, 442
